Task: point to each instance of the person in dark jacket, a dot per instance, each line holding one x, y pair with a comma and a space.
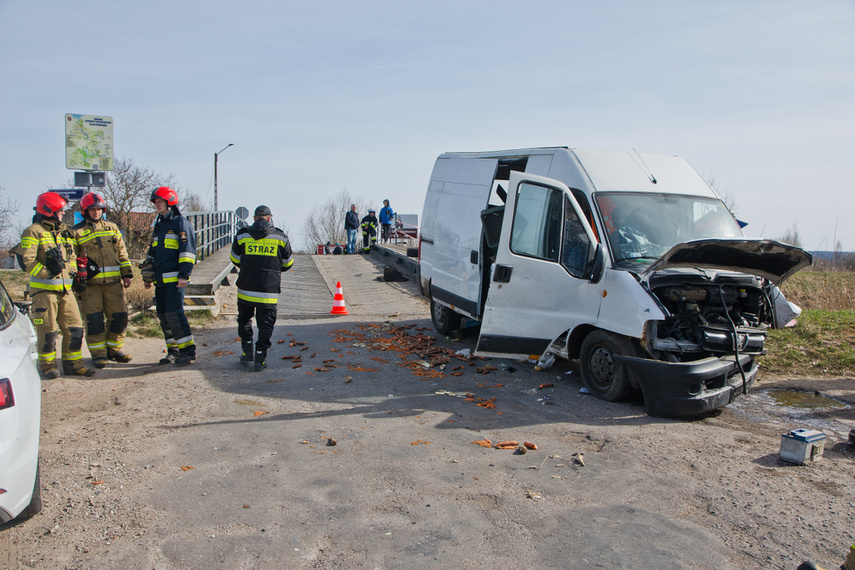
262, 253
351, 225
172, 256
369, 231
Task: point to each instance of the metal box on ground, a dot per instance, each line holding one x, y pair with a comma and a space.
802, 446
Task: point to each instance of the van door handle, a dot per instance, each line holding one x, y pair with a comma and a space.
502, 274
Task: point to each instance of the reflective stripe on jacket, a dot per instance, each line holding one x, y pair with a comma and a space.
173, 248
102, 242
262, 253
36, 240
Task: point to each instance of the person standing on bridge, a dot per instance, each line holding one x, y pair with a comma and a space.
386, 215
261, 252
351, 226
369, 231
172, 255
103, 269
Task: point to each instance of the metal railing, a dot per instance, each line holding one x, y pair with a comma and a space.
213, 230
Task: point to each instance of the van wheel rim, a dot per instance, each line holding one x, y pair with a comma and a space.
602, 367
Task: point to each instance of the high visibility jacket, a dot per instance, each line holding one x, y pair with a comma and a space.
102, 242
36, 240
262, 253
369, 225
173, 248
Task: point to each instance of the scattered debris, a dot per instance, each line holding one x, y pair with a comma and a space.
420, 442
483, 442
530, 445
507, 444
579, 458
546, 385
260, 413
187, 468
522, 450
331, 441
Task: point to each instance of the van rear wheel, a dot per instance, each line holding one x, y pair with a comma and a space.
444, 319
602, 374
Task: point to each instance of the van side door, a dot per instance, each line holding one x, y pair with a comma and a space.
541, 282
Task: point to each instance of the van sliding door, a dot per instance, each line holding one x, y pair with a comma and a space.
539, 286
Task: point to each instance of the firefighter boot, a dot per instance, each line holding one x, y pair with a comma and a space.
76, 368
99, 361
49, 373
118, 356
171, 354
260, 360
246, 347
185, 358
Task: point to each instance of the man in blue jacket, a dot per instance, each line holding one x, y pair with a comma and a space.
172, 255
262, 253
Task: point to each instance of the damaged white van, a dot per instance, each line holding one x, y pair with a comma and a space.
628, 262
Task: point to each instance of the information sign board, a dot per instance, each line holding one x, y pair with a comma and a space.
88, 142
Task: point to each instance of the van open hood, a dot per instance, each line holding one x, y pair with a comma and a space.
766, 258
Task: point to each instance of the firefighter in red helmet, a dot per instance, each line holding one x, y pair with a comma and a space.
47, 249
168, 265
103, 270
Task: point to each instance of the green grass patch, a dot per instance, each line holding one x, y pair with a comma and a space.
821, 344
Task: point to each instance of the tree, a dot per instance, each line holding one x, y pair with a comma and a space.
325, 223
791, 236
726, 197
8, 209
127, 191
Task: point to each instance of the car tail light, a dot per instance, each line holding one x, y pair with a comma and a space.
6, 398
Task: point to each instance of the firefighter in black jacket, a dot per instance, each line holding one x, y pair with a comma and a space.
170, 260
262, 253
369, 231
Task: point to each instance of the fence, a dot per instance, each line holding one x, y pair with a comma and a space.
213, 230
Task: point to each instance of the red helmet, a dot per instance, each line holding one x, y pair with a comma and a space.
50, 204
92, 200
165, 193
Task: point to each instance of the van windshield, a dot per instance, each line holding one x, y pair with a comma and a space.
642, 227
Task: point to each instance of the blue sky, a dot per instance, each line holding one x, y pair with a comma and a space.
322, 97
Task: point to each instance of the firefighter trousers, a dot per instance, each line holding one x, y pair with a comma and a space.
52, 313
169, 300
265, 319
100, 302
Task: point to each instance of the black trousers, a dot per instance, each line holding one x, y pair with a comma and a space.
169, 302
265, 319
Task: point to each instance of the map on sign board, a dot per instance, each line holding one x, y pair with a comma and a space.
88, 142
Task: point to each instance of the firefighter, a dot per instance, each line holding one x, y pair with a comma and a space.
369, 231
262, 253
47, 251
103, 263
168, 265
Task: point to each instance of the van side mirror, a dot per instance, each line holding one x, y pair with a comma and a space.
597, 263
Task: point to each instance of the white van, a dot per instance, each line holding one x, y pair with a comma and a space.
629, 262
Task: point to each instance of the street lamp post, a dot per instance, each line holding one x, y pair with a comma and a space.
216, 154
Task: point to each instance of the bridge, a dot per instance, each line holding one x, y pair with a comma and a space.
214, 272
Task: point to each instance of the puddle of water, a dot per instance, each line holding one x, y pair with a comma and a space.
796, 399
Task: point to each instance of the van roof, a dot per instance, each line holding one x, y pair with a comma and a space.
618, 171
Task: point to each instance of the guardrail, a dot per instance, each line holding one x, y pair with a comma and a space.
213, 230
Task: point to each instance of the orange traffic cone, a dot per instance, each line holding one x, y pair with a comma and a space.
338, 307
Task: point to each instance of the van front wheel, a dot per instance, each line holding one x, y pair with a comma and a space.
602, 374
444, 319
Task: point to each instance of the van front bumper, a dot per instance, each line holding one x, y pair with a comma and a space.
682, 389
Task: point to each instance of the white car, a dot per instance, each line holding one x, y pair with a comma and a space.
20, 414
